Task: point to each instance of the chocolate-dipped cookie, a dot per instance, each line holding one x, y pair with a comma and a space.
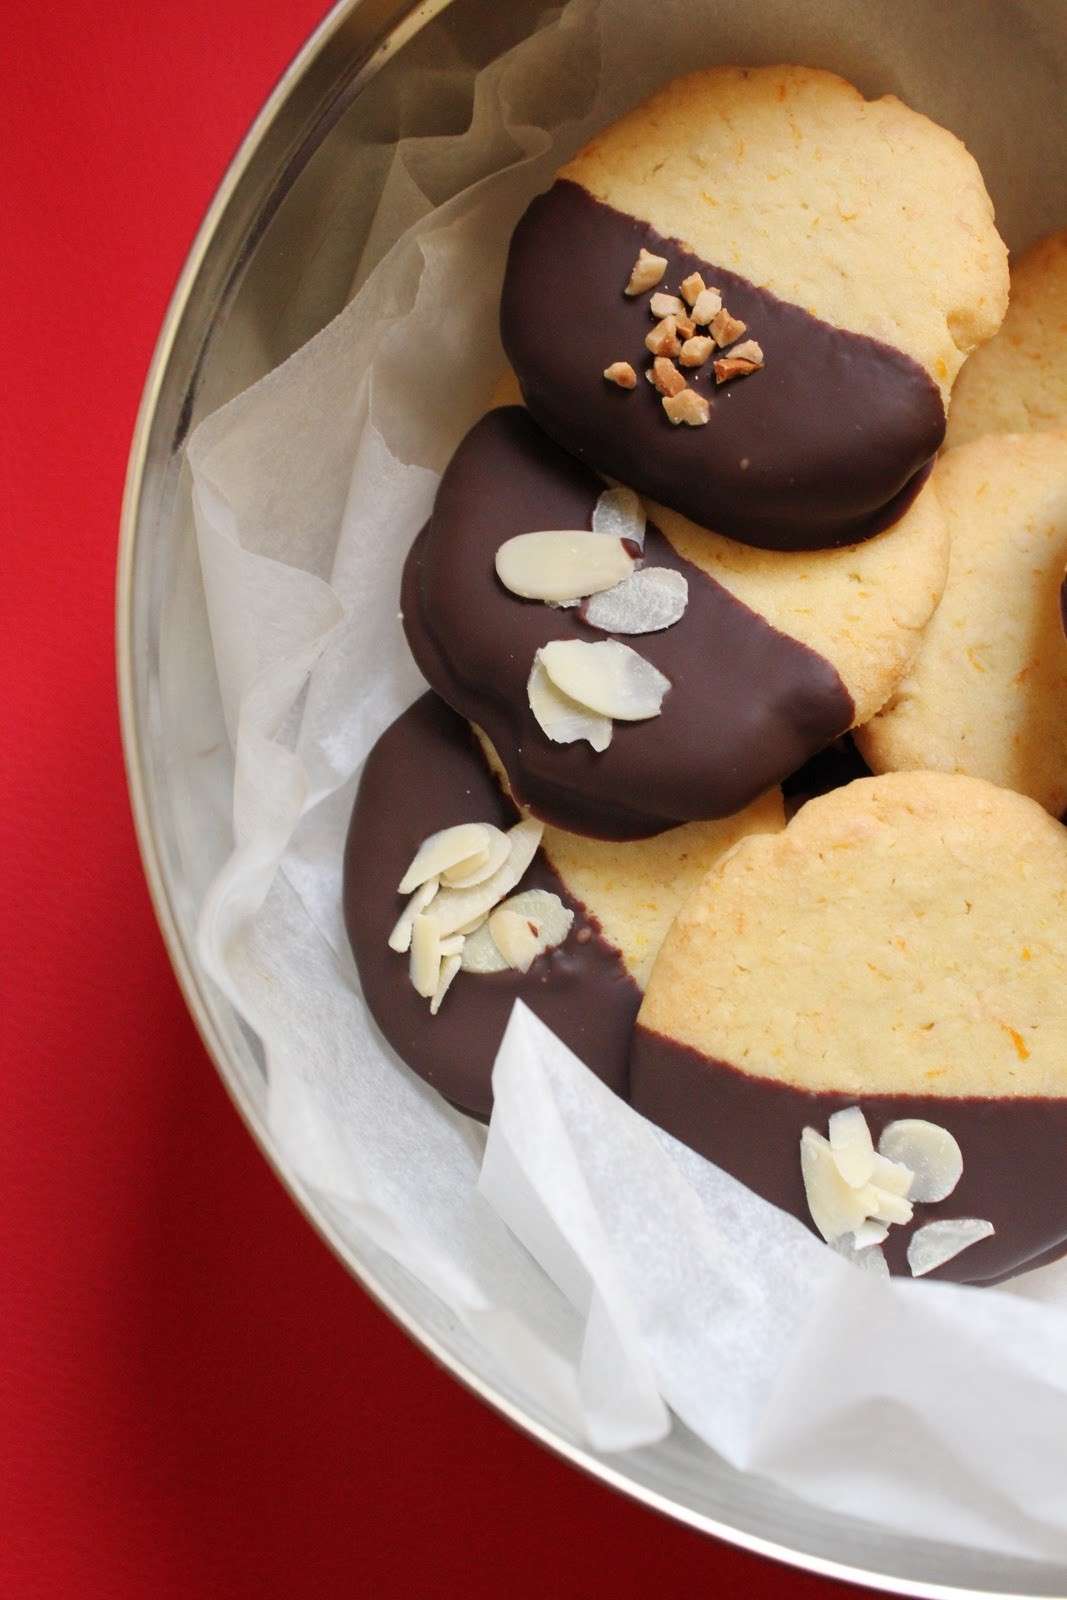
775, 654
426, 774
902, 948
804, 269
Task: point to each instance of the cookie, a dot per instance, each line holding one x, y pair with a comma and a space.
854, 240
900, 947
1018, 381
776, 654
426, 774
987, 691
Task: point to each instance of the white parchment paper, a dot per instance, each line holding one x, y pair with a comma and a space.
646, 1281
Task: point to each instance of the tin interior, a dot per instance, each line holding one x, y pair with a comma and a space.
271, 265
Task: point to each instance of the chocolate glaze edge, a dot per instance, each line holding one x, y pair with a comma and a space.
826, 446
425, 773
748, 704
750, 1127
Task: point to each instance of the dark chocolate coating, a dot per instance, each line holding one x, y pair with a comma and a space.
426, 773
1013, 1150
825, 446
747, 704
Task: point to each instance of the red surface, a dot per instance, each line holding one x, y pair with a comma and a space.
195, 1401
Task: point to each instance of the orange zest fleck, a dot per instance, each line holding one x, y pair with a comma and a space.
1022, 1049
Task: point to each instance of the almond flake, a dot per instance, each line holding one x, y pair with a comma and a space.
425, 964
836, 1208
666, 377
449, 967
528, 924
665, 305
930, 1151
893, 1176
453, 945
663, 339
883, 1205
937, 1242
562, 719
688, 407
608, 677
696, 351
455, 908
622, 374
867, 1259
467, 841
707, 305
726, 328
646, 272
559, 566
480, 953
400, 938
619, 512
692, 287
850, 1140
869, 1233
464, 877
648, 601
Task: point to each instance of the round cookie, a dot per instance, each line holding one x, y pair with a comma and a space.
853, 238
987, 691
775, 656
901, 946
1018, 381
426, 773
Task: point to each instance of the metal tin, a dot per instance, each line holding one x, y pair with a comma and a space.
239, 307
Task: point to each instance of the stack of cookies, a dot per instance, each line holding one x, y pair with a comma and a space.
706, 565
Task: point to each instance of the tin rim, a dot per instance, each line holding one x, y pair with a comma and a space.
378, 47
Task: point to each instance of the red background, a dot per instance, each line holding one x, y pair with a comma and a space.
195, 1401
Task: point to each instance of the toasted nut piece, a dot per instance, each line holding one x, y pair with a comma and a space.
707, 304
684, 326
646, 273
663, 340
666, 377
749, 351
726, 328
728, 367
688, 406
696, 351
665, 305
622, 373
692, 287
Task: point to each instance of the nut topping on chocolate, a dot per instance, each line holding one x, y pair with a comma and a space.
706, 306
666, 305
663, 340
622, 374
726, 328
666, 377
688, 407
560, 566
692, 288
696, 351
646, 272
742, 360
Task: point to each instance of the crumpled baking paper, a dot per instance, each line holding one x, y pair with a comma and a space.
646, 1281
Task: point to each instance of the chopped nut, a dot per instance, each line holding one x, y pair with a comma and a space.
622, 373
685, 326
647, 271
665, 305
734, 366
688, 407
696, 351
749, 351
691, 288
707, 304
666, 377
726, 328
663, 340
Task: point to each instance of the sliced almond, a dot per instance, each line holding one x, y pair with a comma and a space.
726, 328
467, 841
867, 1259
454, 908
930, 1151
425, 962
622, 374
465, 877
695, 352
647, 602
646, 272
665, 376
559, 566
883, 1205
869, 1233
559, 717
619, 513
449, 967
707, 305
608, 677
937, 1242
474, 924
528, 924
836, 1208
453, 945
663, 339
692, 288
850, 1140
892, 1175
400, 938
688, 407
480, 953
